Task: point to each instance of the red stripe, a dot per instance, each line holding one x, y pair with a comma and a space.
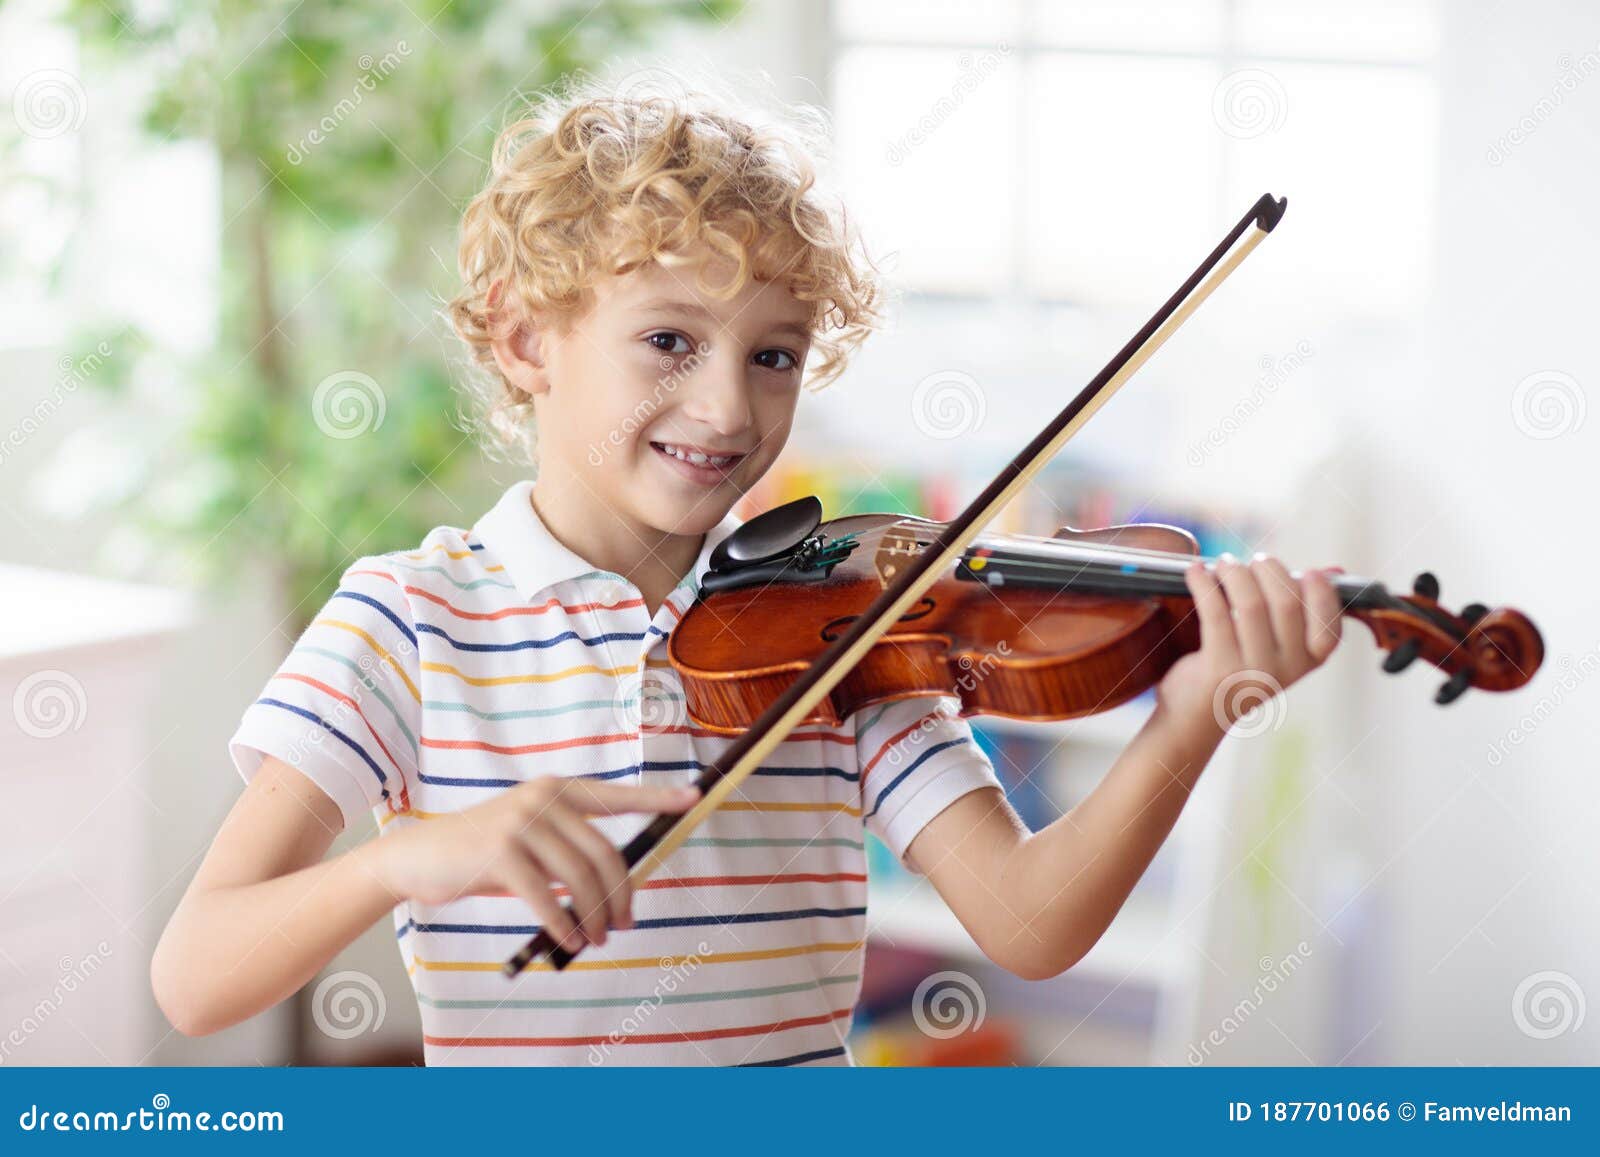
657, 1038
526, 748
891, 741
486, 616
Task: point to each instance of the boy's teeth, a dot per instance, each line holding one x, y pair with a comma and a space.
694, 457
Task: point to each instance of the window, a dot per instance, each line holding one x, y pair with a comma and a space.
1065, 153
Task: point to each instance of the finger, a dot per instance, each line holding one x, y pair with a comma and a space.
598, 798
1325, 616
525, 878
1257, 647
1210, 605
1286, 608
608, 865
560, 856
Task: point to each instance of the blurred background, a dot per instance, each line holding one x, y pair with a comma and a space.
222, 378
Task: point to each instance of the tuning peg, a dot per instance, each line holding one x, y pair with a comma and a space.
1472, 612
1452, 689
1426, 585
1400, 658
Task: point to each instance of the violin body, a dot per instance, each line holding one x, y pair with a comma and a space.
1024, 627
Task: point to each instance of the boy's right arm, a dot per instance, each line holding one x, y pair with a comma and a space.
265, 912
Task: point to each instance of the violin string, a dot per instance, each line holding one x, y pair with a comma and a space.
1088, 556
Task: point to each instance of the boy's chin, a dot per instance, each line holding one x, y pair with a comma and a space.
692, 516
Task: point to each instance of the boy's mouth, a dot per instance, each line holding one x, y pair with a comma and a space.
696, 463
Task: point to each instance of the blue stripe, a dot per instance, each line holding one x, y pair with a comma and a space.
915, 763
660, 922
383, 610
535, 644
336, 733
797, 1059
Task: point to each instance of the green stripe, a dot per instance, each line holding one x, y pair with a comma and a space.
366, 681
653, 998
876, 715
473, 585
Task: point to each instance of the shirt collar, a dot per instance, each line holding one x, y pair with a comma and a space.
535, 559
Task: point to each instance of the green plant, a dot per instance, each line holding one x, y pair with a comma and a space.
324, 424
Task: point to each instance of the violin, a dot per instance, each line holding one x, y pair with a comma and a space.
1024, 627
873, 607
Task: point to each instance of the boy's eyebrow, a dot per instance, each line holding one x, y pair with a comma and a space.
673, 305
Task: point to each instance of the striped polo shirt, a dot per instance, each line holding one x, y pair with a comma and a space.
436, 677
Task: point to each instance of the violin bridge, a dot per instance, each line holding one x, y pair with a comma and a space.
895, 548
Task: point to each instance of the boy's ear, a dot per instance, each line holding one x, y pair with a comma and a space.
518, 348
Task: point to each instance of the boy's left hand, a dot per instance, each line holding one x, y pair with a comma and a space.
1260, 631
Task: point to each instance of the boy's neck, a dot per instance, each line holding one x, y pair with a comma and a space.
650, 559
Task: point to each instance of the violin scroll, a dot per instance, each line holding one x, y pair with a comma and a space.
1493, 650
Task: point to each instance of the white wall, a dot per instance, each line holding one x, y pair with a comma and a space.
1492, 869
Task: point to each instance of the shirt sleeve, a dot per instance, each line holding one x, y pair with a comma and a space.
917, 757
344, 707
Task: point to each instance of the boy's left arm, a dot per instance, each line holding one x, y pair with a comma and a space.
1037, 902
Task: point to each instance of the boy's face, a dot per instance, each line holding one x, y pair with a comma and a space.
664, 404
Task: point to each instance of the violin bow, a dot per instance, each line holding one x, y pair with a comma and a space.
645, 853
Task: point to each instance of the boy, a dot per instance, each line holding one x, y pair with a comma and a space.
645, 280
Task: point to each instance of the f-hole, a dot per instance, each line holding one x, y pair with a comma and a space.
830, 630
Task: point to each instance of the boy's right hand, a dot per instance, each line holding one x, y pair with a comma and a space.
524, 841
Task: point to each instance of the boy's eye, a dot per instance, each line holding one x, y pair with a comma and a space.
665, 342
776, 360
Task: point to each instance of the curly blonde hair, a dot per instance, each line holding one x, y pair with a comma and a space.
593, 180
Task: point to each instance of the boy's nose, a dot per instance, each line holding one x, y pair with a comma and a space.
719, 397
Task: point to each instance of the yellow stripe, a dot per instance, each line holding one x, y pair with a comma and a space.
645, 961
378, 648
739, 805
435, 549
502, 680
